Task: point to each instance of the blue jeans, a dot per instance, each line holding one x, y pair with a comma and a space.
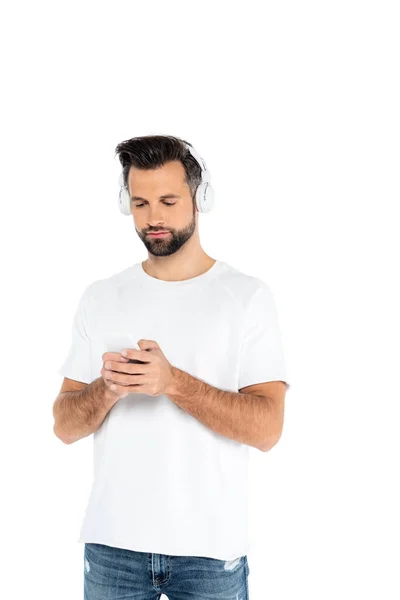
114, 573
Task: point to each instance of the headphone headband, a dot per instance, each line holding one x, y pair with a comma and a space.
205, 173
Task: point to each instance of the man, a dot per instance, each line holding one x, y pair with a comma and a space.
173, 418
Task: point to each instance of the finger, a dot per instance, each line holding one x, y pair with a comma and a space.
143, 386
130, 389
127, 368
110, 381
116, 356
120, 390
141, 355
124, 378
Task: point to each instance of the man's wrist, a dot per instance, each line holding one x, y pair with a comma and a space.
172, 385
108, 396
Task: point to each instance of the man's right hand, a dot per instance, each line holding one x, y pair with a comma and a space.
113, 357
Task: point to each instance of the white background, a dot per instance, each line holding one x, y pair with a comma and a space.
295, 108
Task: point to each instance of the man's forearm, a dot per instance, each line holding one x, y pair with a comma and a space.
78, 414
245, 418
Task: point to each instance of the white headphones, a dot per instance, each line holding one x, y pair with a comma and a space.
204, 193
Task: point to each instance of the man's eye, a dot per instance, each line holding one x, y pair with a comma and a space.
166, 203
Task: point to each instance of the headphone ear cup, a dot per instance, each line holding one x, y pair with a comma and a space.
124, 202
205, 197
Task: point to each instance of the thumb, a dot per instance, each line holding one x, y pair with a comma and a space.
148, 345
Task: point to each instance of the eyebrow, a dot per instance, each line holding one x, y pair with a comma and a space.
133, 198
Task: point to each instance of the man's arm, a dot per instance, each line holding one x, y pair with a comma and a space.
245, 418
78, 414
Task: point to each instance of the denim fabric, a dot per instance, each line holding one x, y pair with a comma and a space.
114, 573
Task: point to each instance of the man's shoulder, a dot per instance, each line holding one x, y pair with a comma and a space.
111, 282
242, 283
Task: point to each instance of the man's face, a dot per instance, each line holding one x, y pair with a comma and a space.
151, 212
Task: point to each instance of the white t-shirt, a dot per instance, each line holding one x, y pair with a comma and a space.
163, 481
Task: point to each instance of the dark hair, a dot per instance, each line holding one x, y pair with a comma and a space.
152, 151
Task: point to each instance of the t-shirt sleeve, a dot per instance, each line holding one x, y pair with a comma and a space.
77, 364
261, 355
